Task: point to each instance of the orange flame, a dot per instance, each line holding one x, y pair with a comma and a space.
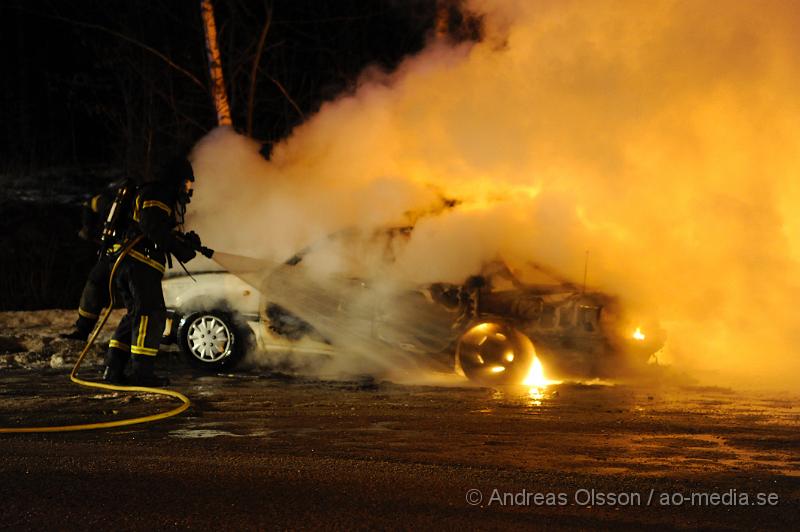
536, 377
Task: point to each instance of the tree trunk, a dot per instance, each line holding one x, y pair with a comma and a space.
215, 65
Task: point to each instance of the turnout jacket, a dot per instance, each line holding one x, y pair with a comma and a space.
152, 215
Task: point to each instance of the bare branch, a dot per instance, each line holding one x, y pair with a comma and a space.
254, 71
131, 40
286, 94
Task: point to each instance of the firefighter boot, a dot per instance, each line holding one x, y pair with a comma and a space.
143, 374
76, 334
116, 360
83, 328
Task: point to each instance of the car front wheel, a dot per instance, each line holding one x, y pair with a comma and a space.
494, 354
212, 340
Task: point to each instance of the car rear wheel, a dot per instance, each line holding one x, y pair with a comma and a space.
213, 340
494, 354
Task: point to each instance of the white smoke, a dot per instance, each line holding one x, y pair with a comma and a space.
660, 136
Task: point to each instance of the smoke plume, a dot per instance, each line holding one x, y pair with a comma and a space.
660, 136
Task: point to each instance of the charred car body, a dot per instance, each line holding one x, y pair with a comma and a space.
490, 327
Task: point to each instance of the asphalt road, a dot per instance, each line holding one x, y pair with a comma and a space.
267, 451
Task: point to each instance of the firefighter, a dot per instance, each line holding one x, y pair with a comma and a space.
155, 213
94, 297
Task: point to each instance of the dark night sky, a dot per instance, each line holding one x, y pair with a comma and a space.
84, 102
79, 93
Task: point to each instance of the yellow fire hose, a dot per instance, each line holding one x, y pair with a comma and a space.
74, 378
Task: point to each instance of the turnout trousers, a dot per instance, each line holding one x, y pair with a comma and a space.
94, 297
139, 333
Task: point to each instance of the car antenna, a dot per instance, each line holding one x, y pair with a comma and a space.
585, 269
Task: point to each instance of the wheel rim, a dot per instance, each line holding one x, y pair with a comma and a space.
494, 353
209, 338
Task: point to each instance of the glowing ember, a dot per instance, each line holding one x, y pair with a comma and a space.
638, 334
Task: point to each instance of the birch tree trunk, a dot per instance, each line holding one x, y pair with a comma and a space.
215, 65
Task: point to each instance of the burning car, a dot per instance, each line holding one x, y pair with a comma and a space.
490, 328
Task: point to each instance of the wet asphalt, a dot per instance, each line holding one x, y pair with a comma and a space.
266, 451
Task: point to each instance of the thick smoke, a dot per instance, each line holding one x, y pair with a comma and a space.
660, 136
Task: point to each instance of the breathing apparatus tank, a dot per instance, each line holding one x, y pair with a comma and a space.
113, 229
